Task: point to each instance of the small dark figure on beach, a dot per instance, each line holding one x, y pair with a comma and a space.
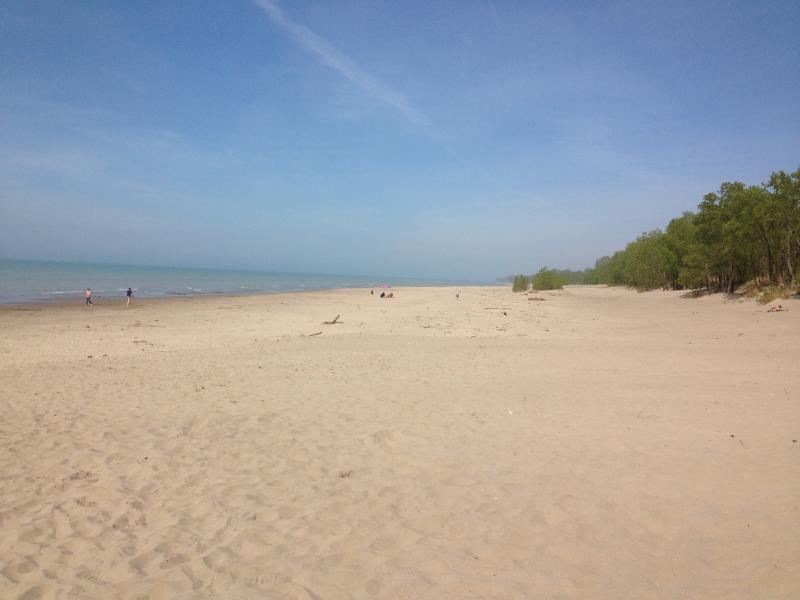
129, 293
383, 294
371, 292
88, 295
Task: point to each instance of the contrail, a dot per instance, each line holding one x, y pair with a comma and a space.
343, 64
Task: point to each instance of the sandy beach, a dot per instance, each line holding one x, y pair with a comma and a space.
586, 443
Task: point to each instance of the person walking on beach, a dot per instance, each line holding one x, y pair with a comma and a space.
129, 293
88, 295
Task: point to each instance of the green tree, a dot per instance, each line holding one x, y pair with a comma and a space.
738, 233
785, 205
680, 235
649, 263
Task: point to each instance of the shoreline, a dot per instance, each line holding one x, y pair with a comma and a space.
120, 302
105, 301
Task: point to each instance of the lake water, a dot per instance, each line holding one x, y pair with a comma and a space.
29, 281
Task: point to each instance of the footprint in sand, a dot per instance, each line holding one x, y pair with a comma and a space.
43, 591
87, 575
16, 573
250, 576
77, 475
260, 580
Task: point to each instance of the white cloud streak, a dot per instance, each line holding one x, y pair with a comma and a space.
329, 56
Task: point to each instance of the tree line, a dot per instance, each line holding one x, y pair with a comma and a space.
739, 233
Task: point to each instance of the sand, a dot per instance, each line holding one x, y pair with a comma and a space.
595, 444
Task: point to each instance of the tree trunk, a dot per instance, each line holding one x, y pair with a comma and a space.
770, 258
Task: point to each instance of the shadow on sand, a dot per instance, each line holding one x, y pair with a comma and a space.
726, 296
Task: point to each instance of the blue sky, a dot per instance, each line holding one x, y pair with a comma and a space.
447, 139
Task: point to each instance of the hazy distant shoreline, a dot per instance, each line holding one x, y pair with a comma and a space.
45, 282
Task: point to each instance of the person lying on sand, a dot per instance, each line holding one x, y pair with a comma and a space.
778, 308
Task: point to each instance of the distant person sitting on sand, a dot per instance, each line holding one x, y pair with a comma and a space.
129, 294
778, 308
391, 295
383, 294
371, 292
88, 295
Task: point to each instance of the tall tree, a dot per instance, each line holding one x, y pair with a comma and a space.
785, 190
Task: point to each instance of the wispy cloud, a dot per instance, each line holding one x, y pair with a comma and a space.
329, 56
71, 163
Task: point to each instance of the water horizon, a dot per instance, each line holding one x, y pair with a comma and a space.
33, 281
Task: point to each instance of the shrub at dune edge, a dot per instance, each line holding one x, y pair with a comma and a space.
547, 279
520, 283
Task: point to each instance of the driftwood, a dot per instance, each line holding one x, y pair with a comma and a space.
335, 321
313, 334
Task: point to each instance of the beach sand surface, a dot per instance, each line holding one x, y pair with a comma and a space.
585, 443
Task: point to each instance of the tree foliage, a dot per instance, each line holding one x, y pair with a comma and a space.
738, 233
